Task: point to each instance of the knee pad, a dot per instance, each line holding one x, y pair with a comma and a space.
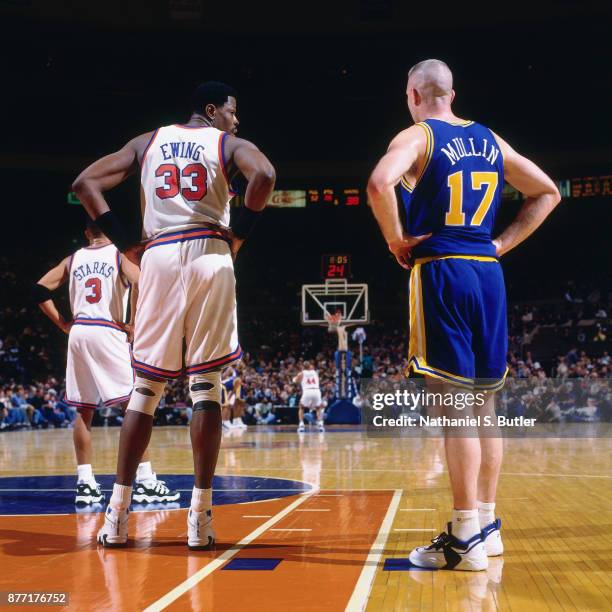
146, 395
205, 390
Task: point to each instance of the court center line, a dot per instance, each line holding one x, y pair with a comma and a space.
363, 587
193, 580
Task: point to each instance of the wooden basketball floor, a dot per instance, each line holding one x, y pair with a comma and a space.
340, 544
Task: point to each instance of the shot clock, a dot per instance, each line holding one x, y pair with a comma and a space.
335, 266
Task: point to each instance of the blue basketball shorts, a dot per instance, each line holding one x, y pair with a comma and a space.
458, 324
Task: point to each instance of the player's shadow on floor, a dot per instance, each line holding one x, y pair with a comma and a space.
17, 543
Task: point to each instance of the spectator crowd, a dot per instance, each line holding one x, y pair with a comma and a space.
561, 339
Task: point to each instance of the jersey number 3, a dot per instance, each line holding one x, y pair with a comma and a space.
95, 284
455, 214
172, 177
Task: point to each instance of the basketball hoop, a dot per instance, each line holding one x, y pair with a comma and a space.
333, 321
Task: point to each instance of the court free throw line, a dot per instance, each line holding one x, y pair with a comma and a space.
359, 598
209, 568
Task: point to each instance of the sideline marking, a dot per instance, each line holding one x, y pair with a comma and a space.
363, 587
210, 567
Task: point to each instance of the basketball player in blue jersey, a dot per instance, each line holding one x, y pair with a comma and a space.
451, 172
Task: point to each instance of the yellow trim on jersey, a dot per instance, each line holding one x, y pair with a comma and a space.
496, 386
424, 368
428, 151
461, 123
414, 347
424, 260
406, 185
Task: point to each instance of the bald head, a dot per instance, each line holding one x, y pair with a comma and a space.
430, 88
432, 78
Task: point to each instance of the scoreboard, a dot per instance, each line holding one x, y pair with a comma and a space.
332, 196
335, 266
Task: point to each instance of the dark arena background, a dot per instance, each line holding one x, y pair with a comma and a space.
314, 521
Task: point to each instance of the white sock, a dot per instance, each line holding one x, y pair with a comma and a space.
85, 474
486, 513
121, 497
144, 472
201, 499
465, 524
301, 422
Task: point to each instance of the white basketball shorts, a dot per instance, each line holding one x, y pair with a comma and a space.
187, 294
311, 398
98, 368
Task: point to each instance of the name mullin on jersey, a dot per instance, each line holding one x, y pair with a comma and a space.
460, 150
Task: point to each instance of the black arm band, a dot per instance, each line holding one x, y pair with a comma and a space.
41, 294
245, 222
111, 227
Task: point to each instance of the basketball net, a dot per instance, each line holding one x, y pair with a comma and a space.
334, 324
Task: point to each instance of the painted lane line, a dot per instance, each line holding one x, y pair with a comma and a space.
181, 490
209, 568
314, 510
59, 514
257, 515
363, 587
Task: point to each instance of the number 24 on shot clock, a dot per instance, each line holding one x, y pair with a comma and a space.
336, 266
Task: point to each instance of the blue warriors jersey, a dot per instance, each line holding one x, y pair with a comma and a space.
458, 192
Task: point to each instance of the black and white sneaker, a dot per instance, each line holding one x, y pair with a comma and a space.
153, 491
448, 552
87, 494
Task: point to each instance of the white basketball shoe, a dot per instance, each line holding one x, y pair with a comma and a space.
200, 533
114, 532
491, 534
448, 552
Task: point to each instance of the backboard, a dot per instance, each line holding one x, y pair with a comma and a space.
333, 296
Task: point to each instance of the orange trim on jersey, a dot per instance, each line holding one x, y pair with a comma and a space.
148, 369
144, 153
97, 323
215, 363
186, 235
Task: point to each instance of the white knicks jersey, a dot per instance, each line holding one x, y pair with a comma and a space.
183, 180
310, 380
97, 290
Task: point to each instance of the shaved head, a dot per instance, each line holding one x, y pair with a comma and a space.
430, 88
432, 78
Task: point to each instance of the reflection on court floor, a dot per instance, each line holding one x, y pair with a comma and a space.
315, 522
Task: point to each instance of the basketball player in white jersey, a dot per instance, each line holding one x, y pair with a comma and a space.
98, 367
311, 395
187, 287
